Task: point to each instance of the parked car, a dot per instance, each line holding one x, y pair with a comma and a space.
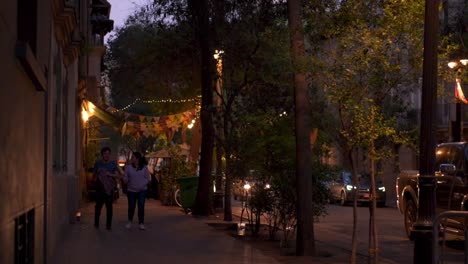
342, 189
451, 190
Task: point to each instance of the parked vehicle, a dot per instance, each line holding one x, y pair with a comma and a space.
342, 189
451, 172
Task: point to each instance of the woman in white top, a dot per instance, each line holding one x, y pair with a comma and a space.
137, 178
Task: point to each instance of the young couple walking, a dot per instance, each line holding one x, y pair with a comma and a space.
136, 176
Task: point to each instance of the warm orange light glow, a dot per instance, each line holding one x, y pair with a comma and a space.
452, 64
84, 115
91, 107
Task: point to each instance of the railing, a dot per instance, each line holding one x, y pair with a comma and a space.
436, 258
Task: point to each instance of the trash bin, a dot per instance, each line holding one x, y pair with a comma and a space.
188, 191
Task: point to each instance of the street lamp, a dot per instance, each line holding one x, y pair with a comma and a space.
422, 228
240, 225
457, 126
218, 56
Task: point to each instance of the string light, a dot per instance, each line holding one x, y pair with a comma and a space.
128, 106
197, 101
173, 101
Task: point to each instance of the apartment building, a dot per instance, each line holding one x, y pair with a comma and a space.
44, 77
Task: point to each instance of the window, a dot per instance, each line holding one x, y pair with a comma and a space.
26, 44
27, 23
24, 238
60, 116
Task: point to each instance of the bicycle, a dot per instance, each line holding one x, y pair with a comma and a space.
177, 198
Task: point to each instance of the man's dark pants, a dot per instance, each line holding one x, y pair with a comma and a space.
101, 199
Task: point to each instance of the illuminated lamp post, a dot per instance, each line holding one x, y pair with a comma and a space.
241, 226
218, 195
422, 228
457, 125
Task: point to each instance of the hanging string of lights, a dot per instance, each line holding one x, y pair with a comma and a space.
154, 101
128, 106
177, 101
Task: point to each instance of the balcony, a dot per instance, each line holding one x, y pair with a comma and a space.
100, 22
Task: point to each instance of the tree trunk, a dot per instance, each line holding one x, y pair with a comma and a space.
227, 191
355, 185
227, 154
219, 14
202, 202
305, 244
373, 238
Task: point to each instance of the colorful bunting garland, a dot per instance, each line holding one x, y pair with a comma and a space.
146, 126
156, 125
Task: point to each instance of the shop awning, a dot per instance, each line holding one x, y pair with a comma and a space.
90, 109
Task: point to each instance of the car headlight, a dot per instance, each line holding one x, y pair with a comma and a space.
382, 189
349, 187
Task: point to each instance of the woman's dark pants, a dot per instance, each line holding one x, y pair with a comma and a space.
133, 198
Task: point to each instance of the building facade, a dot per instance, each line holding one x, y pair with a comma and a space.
43, 82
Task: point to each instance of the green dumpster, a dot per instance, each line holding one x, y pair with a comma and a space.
188, 190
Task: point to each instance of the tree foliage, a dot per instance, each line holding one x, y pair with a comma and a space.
372, 62
153, 56
364, 59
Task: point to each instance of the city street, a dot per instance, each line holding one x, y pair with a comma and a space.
394, 246
272, 97
335, 230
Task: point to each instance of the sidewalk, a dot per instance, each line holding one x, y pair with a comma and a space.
171, 237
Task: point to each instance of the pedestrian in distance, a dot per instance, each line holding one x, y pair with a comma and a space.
106, 172
137, 178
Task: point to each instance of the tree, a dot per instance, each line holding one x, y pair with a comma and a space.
203, 32
373, 62
254, 60
152, 58
305, 229
255, 76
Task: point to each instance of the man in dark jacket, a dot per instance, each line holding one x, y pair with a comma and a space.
106, 171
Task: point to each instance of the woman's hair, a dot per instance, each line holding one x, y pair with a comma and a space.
141, 160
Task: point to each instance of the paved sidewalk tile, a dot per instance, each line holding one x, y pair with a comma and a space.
170, 237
